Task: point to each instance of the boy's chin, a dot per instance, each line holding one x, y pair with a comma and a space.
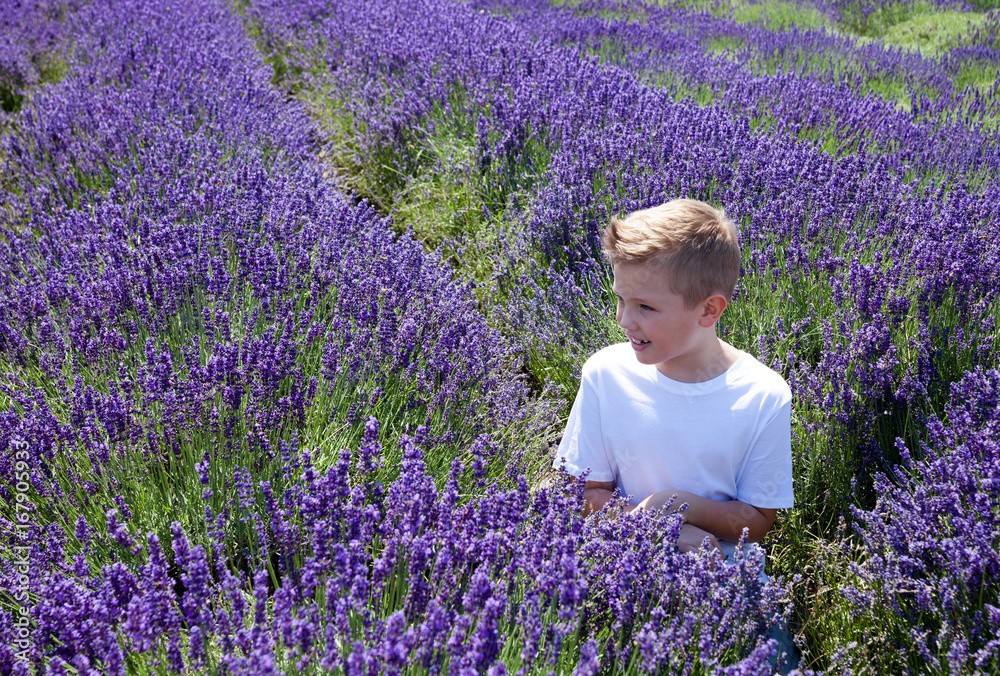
645, 357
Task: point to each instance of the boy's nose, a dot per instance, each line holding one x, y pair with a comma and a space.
625, 320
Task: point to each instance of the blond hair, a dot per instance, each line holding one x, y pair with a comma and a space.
695, 244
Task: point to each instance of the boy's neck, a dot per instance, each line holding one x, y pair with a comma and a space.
715, 359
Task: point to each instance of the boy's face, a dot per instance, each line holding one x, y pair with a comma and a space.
661, 329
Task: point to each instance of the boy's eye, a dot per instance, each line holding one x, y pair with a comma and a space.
645, 307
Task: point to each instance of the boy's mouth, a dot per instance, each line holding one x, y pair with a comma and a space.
636, 343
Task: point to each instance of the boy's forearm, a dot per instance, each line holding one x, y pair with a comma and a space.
725, 519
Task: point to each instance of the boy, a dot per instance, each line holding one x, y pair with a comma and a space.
676, 410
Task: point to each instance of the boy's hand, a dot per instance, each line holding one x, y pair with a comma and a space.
663, 499
691, 539
596, 494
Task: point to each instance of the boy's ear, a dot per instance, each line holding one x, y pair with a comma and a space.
712, 308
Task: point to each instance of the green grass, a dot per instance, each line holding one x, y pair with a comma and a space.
932, 33
634, 14
779, 15
981, 76
816, 568
431, 181
855, 19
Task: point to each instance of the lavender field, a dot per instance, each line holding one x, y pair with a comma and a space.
294, 298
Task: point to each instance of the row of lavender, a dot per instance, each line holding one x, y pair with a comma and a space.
871, 289
812, 83
29, 53
194, 326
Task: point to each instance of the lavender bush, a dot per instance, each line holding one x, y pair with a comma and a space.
363, 579
927, 586
221, 293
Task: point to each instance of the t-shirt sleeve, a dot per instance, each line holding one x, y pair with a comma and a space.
582, 445
766, 479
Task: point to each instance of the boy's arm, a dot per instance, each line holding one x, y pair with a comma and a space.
725, 519
596, 494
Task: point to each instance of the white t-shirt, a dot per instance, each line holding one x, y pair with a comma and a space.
726, 438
